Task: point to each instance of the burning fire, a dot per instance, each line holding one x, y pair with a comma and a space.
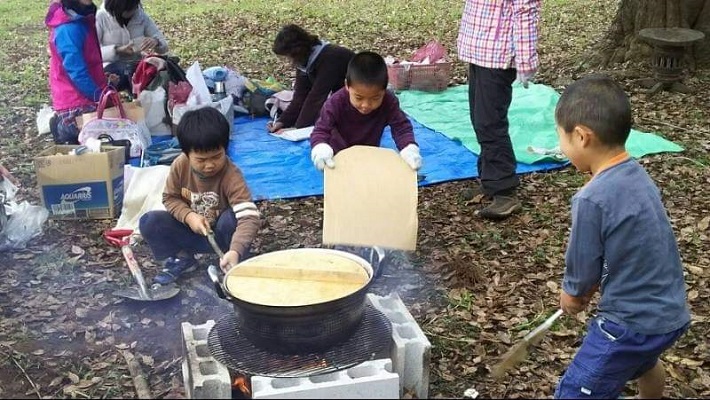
242, 383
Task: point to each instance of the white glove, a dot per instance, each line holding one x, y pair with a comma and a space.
525, 77
411, 156
322, 155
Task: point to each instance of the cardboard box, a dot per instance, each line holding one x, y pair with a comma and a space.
87, 186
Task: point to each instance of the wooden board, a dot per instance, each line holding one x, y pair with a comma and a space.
296, 278
370, 199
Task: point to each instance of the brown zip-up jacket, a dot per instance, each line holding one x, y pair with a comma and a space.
186, 192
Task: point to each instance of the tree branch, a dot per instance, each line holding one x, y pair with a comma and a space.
139, 379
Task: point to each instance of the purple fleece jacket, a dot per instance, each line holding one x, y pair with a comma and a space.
341, 125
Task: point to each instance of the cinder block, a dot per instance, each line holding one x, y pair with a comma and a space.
411, 350
204, 377
369, 380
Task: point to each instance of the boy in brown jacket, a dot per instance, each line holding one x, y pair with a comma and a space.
204, 192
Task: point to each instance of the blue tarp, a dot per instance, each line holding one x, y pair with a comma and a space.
279, 169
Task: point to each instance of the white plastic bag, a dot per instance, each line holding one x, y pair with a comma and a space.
200, 92
25, 222
153, 103
44, 116
225, 106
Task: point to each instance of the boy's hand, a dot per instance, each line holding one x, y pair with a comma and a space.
411, 156
572, 305
230, 259
322, 155
274, 126
197, 223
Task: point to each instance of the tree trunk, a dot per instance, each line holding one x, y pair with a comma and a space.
622, 43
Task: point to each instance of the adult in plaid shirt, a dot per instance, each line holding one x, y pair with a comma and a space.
498, 38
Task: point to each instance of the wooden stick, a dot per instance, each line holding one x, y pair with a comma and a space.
653, 121
140, 382
36, 389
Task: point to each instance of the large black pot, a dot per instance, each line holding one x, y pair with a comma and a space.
300, 329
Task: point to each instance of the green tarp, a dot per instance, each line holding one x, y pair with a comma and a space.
531, 116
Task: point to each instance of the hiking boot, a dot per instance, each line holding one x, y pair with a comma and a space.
173, 268
474, 194
501, 208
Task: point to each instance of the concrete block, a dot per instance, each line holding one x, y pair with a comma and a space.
204, 377
411, 350
369, 380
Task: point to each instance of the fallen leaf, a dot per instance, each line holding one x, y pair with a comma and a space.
693, 294
704, 223
73, 377
122, 346
38, 352
552, 286
147, 360
56, 381
76, 250
695, 270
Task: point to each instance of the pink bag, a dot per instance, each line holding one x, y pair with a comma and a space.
278, 103
434, 50
120, 128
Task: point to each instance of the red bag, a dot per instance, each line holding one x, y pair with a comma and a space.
434, 50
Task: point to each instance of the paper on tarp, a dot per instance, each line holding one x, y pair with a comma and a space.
144, 192
370, 199
293, 135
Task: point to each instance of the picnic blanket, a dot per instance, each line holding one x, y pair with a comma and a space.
531, 117
275, 168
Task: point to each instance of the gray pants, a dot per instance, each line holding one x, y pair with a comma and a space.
489, 95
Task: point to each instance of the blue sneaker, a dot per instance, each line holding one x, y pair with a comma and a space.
173, 268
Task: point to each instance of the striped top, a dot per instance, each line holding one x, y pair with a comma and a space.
500, 34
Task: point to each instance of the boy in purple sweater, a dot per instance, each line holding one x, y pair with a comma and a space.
358, 113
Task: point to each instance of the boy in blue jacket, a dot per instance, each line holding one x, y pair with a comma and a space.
622, 244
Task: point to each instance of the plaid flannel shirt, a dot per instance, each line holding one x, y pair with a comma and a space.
500, 34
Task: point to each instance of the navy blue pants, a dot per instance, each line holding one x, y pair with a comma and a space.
490, 92
610, 356
167, 236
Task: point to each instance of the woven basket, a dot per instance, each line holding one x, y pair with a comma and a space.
426, 77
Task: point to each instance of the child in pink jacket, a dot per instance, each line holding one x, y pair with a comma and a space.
76, 76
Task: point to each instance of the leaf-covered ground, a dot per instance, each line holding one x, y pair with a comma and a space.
475, 287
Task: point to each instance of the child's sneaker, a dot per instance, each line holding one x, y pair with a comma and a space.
174, 268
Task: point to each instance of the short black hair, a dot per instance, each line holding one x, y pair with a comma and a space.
204, 129
368, 68
79, 8
116, 8
294, 42
598, 103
